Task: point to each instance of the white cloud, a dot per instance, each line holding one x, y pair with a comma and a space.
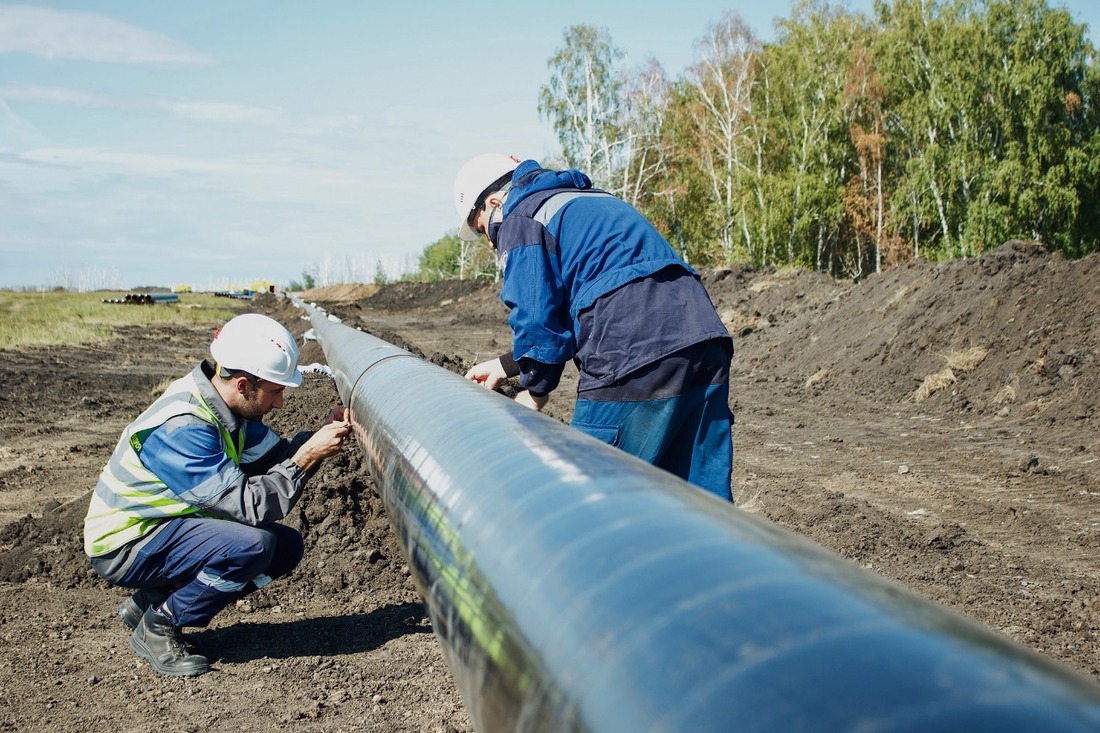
60, 96
329, 125
222, 112
121, 162
255, 178
191, 110
82, 36
15, 129
194, 111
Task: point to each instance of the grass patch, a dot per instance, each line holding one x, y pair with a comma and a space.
956, 363
161, 386
967, 360
934, 383
899, 295
70, 319
1006, 396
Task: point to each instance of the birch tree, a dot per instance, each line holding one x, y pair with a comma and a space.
723, 80
582, 101
808, 67
988, 103
645, 100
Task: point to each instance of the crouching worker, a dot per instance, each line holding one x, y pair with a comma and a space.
186, 510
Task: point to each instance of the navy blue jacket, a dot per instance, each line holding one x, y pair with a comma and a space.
587, 277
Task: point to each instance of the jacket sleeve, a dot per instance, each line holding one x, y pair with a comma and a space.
540, 379
542, 329
187, 455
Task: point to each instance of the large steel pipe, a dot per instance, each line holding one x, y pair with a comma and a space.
575, 588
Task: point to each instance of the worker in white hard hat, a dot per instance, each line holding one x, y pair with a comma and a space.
186, 511
587, 278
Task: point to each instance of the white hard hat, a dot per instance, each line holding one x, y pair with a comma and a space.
476, 176
260, 346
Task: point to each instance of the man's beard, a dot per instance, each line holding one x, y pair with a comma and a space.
250, 407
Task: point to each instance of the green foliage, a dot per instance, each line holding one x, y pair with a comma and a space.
582, 100
988, 122
677, 201
935, 129
450, 258
440, 259
380, 277
939, 128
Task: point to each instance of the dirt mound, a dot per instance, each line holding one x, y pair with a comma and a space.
452, 294
343, 293
1011, 333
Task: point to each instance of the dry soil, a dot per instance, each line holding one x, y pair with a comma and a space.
937, 424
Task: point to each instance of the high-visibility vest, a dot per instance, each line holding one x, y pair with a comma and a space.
129, 500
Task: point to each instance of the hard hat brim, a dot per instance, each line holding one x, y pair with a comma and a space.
466, 232
295, 381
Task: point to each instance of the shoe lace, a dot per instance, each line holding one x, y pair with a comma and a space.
179, 644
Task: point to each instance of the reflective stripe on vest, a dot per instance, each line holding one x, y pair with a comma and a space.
129, 500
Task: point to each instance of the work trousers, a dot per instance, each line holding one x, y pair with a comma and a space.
211, 563
688, 435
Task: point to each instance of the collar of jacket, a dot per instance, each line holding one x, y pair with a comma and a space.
530, 178
203, 373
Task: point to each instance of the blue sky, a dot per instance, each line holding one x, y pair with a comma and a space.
214, 142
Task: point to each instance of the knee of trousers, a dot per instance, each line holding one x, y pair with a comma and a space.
258, 553
286, 548
290, 551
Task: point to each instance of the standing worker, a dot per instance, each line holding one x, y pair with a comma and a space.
588, 278
186, 510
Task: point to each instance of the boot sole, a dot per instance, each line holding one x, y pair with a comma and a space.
140, 649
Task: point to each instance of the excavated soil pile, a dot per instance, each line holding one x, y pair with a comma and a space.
937, 424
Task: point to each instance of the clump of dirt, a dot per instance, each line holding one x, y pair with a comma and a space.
936, 424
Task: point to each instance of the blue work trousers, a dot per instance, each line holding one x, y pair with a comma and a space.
210, 563
688, 435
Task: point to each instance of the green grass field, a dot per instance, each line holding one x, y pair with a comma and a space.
68, 319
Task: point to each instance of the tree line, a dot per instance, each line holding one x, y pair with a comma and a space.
847, 144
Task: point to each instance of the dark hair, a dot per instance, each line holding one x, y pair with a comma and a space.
491, 188
226, 373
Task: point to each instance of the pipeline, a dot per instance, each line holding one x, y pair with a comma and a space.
575, 588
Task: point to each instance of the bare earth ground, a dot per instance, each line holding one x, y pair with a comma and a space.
981, 492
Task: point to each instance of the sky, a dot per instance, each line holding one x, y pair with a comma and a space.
217, 142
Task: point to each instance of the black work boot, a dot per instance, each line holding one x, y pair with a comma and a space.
158, 641
133, 608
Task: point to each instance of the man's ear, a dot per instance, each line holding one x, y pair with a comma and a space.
241, 385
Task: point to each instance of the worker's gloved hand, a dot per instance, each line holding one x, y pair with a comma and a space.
535, 402
489, 374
